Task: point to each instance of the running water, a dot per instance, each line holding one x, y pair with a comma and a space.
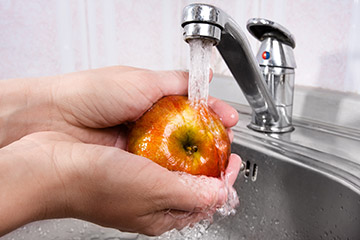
199, 71
198, 91
202, 230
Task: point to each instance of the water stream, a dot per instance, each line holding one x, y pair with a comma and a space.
198, 91
199, 71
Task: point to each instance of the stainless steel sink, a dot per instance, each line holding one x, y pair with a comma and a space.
299, 185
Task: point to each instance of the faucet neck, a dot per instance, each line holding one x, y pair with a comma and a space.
208, 22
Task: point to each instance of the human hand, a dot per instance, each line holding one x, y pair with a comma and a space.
53, 175
92, 105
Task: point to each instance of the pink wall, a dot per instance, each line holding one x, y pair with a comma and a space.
47, 37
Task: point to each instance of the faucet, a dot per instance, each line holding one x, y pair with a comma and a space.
267, 81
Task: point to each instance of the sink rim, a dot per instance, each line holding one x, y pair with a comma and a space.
338, 168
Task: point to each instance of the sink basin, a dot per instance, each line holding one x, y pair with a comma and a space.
299, 185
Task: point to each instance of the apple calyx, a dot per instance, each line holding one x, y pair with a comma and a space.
190, 149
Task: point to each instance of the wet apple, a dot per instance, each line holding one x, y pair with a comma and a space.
182, 137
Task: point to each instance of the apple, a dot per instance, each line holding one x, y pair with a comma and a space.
181, 137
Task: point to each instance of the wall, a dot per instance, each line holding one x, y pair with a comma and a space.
47, 37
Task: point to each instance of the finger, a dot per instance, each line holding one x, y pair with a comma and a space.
227, 114
194, 193
233, 169
230, 134
172, 82
119, 68
211, 74
166, 221
190, 219
175, 82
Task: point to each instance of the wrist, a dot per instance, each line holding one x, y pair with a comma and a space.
25, 108
28, 191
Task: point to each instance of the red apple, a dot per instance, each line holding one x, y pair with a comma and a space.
181, 137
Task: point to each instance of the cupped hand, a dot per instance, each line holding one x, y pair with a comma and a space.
109, 186
94, 105
84, 172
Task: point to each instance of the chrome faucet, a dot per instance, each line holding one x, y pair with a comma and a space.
268, 82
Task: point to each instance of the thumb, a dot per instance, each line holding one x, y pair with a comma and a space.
200, 193
191, 193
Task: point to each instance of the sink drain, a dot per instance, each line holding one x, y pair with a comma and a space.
250, 170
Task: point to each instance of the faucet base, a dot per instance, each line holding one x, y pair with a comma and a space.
270, 129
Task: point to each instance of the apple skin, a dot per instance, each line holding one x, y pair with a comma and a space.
181, 137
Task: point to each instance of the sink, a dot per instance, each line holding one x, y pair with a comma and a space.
299, 185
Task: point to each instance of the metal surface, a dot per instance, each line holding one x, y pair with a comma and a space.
202, 30
280, 82
262, 28
307, 184
268, 116
281, 55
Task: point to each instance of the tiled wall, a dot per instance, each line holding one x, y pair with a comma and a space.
47, 37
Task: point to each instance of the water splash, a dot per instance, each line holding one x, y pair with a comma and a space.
199, 71
198, 91
212, 213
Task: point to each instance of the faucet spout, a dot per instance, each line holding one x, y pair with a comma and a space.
208, 22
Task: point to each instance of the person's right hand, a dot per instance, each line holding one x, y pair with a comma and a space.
90, 105
52, 175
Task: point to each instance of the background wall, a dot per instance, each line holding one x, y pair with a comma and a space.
47, 37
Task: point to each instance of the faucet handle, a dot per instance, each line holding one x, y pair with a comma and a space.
277, 63
277, 43
262, 28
